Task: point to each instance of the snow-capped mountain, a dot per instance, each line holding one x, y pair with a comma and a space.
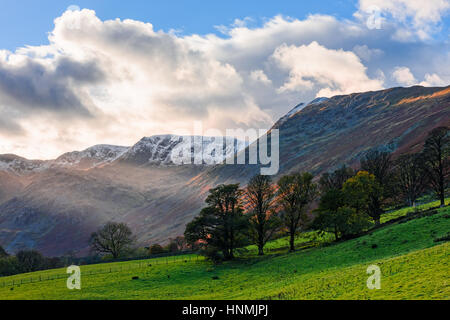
86, 159
156, 150
299, 108
175, 150
21, 166
91, 157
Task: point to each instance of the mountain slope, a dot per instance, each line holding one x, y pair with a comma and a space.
330, 132
54, 210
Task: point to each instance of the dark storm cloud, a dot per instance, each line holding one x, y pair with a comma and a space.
31, 86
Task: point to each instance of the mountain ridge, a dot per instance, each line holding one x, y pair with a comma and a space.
56, 209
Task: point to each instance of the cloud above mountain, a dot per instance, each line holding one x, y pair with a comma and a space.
118, 80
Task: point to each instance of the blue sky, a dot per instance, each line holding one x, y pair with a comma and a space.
70, 79
27, 22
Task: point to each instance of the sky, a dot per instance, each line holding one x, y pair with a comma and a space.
76, 74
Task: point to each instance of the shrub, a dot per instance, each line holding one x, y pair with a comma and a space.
9, 266
156, 249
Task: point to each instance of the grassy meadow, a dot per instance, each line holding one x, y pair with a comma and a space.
413, 255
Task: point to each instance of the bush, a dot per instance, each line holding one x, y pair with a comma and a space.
172, 247
156, 249
30, 260
213, 254
9, 266
3, 253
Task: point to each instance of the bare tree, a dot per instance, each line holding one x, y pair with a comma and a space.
113, 238
335, 180
380, 164
411, 178
295, 193
436, 154
264, 222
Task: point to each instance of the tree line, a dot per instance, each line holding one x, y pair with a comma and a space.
26, 261
346, 201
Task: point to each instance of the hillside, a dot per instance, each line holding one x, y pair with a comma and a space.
413, 262
54, 208
326, 133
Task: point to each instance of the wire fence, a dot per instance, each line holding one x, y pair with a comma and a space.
90, 270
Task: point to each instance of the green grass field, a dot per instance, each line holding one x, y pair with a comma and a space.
414, 265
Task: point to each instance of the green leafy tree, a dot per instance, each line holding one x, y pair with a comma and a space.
9, 266
3, 253
295, 194
113, 238
221, 226
156, 249
333, 215
437, 165
327, 219
363, 193
30, 260
263, 218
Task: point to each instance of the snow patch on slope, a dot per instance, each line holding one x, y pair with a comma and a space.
173, 149
21, 166
93, 156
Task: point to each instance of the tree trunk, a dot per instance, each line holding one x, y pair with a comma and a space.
377, 220
292, 242
260, 250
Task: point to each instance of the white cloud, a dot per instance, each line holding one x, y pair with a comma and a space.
403, 76
260, 76
118, 80
434, 80
367, 54
422, 17
335, 71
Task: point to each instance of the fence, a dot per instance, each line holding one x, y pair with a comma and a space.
98, 269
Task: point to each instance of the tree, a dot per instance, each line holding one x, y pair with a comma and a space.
171, 247
221, 226
9, 266
411, 177
363, 193
327, 219
30, 260
156, 249
437, 165
113, 238
264, 222
336, 179
379, 163
181, 243
334, 215
3, 253
295, 193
